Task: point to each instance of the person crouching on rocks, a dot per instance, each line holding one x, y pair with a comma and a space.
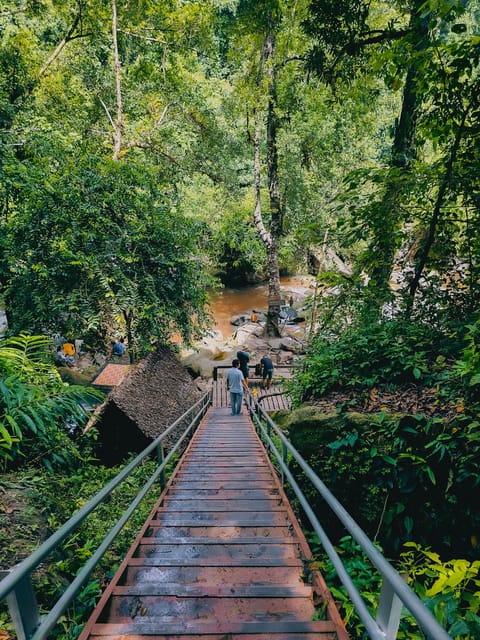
267, 372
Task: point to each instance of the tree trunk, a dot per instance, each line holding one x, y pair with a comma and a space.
432, 229
385, 241
117, 138
58, 49
128, 318
272, 325
257, 212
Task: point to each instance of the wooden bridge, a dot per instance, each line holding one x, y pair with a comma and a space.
221, 556
271, 400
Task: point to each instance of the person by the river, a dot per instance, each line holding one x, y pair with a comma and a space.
244, 359
60, 358
235, 384
118, 348
267, 371
68, 351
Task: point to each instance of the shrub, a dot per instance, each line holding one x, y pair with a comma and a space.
390, 352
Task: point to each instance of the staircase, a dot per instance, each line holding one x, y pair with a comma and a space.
222, 555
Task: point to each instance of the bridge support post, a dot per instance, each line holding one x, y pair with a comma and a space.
23, 607
389, 611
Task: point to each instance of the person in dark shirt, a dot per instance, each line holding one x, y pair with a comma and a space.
243, 358
236, 384
267, 371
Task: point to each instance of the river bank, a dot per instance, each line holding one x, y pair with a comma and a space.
233, 301
222, 342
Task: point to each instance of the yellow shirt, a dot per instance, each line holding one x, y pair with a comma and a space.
68, 349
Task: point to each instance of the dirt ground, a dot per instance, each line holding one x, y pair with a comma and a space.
410, 399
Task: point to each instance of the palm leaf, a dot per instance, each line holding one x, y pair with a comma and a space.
33, 398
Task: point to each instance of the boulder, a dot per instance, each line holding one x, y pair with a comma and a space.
239, 320
292, 344
243, 333
284, 357
201, 363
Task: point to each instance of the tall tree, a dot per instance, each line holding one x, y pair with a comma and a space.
259, 25
398, 40
87, 242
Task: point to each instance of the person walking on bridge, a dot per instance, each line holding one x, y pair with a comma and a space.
235, 384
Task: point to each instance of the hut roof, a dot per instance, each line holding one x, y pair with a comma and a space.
155, 392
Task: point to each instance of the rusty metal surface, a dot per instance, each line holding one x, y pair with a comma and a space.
221, 555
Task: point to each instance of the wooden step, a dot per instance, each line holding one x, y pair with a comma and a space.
321, 630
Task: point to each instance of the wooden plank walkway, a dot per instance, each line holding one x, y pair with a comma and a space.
221, 555
272, 399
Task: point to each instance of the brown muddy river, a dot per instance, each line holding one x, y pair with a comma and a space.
232, 301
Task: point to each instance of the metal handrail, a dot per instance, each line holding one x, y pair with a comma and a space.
395, 593
17, 585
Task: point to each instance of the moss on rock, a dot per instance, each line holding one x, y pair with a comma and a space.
74, 377
309, 429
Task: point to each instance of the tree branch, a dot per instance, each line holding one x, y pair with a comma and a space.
381, 36
69, 36
110, 119
432, 229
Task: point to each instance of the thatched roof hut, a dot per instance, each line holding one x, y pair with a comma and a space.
154, 394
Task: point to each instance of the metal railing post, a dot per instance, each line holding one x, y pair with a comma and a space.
284, 460
161, 459
23, 607
389, 611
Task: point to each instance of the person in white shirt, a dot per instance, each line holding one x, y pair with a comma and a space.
235, 384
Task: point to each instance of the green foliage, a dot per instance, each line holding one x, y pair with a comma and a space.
240, 250
467, 367
390, 352
106, 250
449, 588
414, 478
359, 568
89, 245
54, 498
36, 407
430, 52
75, 491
